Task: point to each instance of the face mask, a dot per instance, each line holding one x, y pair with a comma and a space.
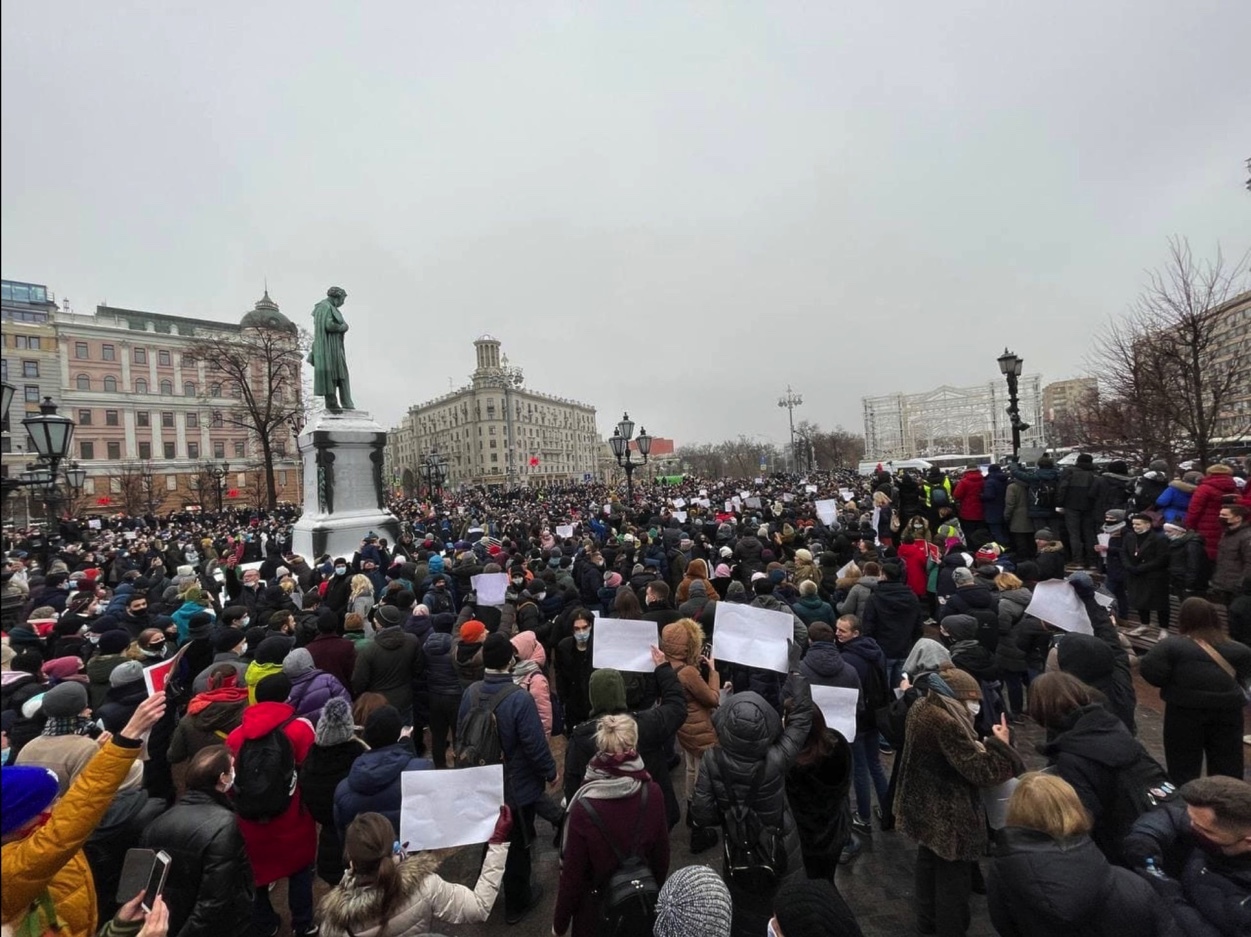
231, 783
582, 636
975, 708
192, 556
340, 570
139, 613
4, 756
154, 650
244, 621
771, 931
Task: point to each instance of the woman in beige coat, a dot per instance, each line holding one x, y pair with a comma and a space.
682, 643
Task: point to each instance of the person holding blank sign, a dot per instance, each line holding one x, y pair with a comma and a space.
682, 643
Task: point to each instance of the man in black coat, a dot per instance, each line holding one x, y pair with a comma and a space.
657, 725
893, 618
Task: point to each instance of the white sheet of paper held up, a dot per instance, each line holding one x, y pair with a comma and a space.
450, 808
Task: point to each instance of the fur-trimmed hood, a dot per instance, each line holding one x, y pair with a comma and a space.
682, 640
357, 908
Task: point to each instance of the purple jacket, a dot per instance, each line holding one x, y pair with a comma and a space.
311, 690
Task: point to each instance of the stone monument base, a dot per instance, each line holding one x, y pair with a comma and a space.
344, 492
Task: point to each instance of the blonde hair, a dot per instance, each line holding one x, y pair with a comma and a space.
1048, 804
361, 584
881, 498
1006, 581
615, 734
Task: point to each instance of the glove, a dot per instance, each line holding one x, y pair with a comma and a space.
503, 827
471, 598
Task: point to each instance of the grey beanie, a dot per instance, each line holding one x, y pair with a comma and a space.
962, 576
297, 662
126, 672
65, 699
694, 902
335, 725
960, 627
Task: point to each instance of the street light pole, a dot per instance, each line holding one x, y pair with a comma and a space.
790, 400
620, 442
50, 435
1010, 366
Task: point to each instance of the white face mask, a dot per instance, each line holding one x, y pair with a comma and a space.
231, 783
975, 708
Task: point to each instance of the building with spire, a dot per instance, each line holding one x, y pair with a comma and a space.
495, 431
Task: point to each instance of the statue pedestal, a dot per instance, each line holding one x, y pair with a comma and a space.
344, 494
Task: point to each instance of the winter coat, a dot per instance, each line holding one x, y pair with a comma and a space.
695, 570
697, 732
994, 487
334, 655
862, 653
98, 670
1188, 565
657, 727
1113, 494
120, 704
980, 603
858, 597
573, 679
1089, 750
1079, 490
351, 910
200, 683
388, 664
128, 816
1009, 655
373, 784
312, 690
968, 496
1099, 661
204, 726
1175, 501
441, 677
915, 557
528, 673
209, 886
320, 774
943, 770
1037, 886
817, 796
1035, 480
1233, 559
1016, 508
1050, 561
528, 761
1188, 676
1203, 514
588, 859
892, 617
751, 735
1145, 558
810, 608
287, 843
823, 665
1213, 895
51, 856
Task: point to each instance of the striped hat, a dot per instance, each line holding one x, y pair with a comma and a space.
693, 902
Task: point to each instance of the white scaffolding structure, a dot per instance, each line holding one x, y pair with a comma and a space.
951, 421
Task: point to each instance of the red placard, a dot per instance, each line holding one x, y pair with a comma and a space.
154, 677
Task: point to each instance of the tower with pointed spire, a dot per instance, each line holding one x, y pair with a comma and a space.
266, 315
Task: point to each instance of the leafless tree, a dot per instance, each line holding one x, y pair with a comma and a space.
126, 487
262, 368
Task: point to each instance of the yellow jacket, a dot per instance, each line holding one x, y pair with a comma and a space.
51, 857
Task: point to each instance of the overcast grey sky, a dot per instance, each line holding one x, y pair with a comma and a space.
667, 207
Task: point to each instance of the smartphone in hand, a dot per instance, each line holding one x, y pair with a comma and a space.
156, 880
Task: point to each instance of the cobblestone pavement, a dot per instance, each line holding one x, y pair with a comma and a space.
877, 885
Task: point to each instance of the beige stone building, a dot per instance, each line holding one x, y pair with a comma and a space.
495, 431
30, 363
1059, 399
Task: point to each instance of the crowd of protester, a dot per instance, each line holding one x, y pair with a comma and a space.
300, 689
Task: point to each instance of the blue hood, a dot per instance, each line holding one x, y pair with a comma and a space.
377, 770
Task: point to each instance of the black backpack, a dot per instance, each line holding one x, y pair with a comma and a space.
627, 901
1138, 787
877, 696
755, 853
265, 775
1044, 494
478, 735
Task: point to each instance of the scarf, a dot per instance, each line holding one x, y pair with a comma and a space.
960, 712
66, 725
523, 670
608, 777
225, 694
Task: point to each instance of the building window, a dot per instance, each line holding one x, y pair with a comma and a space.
240, 448
167, 419
163, 358
114, 450
188, 389
110, 384
169, 449
282, 479
84, 417
167, 387
107, 352
215, 390
86, 449
110, 418
219, 449
82, 382
141, 356
216, 420
193, 450
142, 418
80, 349
193, 420
171, 482
115, 486
141, 386
32, 393
495, 457
30, 369
492, 443
145, 450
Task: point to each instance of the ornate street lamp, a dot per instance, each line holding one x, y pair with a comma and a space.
790, 400
50, 436
620, 442
218, 473
1010, 366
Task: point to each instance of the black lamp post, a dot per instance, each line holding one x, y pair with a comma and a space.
620, 442
218, 474
1010, 365
50, 436
433, 470
790, 400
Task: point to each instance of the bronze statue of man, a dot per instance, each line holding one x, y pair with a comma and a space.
330, 373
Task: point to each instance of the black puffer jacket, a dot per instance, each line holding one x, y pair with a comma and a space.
1188, 676
1040, 887
127, 817
892, 618
441, 677
824, 666
817, 795
978, 601
1090, 748
751, 735
1090, 660
209, 889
